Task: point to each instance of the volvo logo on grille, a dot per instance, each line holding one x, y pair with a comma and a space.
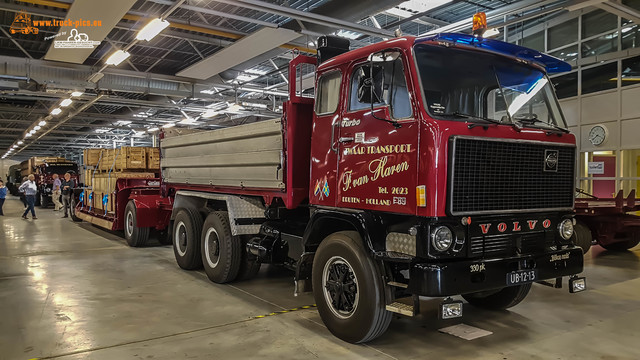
551, 160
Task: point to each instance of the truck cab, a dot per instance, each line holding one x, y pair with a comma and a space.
44, 178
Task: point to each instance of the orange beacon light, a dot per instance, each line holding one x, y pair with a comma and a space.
479, 23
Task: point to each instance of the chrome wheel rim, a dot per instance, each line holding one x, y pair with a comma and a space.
129, 223
340, 287
212, 247
180, 238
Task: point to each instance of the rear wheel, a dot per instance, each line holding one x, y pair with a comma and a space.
348, 288
186, 239
135, 236
500, 299
582, 237
221, 251
72, 210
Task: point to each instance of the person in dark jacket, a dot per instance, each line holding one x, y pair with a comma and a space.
30, 189
67, 189
3, 195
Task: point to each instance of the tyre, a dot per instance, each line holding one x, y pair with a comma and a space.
72, 209
582, 237
498, 300
186, 231
349, 290
221, 251
135, 236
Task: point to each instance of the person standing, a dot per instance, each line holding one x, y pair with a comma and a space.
30, 189
55, 195
3, 195
67, 189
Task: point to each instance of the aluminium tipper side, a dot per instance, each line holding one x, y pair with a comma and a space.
246, 156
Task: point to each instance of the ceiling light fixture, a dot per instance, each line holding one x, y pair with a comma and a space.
117, 57
42, 123
153, 28
66, 102
28, 135
153, 129
56, 111
76, 93
20, 142
37, 127
170, 125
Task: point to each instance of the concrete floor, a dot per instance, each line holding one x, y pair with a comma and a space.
73, 291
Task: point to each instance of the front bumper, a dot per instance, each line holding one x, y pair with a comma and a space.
461, 277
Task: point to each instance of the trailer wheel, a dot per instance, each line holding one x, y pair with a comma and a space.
349, 290
186, 239
221, 251
582, 237
498, 300
135, 236
72, 210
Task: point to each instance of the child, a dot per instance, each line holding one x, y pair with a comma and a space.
3, 195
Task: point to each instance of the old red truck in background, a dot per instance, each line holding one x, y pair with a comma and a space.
434, 166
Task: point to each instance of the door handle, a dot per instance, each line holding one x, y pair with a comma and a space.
346, 139
334, 146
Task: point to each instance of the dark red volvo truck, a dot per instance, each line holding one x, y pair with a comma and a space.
434, 166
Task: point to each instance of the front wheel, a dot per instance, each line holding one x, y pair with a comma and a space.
500, 299
135, 236
348, 288
582, 237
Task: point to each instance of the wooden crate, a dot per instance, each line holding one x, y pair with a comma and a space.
105, 183
153, 158
91, 156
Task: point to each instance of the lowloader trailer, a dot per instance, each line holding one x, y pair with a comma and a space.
433, 166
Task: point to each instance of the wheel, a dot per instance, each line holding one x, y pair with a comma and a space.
249, 267
348, 289
72, 209
221, 251
631, 240
582, 236
498, 300
186, 239
135, 236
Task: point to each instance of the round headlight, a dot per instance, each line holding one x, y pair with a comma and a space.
441, 238
566, 229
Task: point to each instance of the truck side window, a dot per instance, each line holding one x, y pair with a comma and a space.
395, 88
328, 93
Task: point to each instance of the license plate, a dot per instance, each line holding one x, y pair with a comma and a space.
522, 277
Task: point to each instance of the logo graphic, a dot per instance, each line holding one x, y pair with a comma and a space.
551, 160
322, 188
22, 24
76, 40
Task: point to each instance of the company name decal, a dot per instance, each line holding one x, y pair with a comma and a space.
378, 169
382, 149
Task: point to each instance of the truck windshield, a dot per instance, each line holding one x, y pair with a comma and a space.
466, 84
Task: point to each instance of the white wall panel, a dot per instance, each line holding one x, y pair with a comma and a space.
631, 102
571, 110
630, 133
600, 108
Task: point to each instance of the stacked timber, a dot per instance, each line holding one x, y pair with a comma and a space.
103, 167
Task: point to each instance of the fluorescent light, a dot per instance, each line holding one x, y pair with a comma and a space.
409, 8
37, 127
66, 102
32, 132
256, 72
76, 93
209, 113
56, 111
14, 146
42, 123
117, 57
20, 142
153, 28
123, 122
153, 129
246, 77
352, 35
28, 135
187, 121
170, 125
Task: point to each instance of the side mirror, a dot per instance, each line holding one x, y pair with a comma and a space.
370, 86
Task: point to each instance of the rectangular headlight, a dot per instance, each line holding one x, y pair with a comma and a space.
451, 310
577, 284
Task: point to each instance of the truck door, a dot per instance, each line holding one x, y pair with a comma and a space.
324, 151
378, 149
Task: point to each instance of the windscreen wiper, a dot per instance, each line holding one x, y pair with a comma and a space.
528, 121
472, 117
